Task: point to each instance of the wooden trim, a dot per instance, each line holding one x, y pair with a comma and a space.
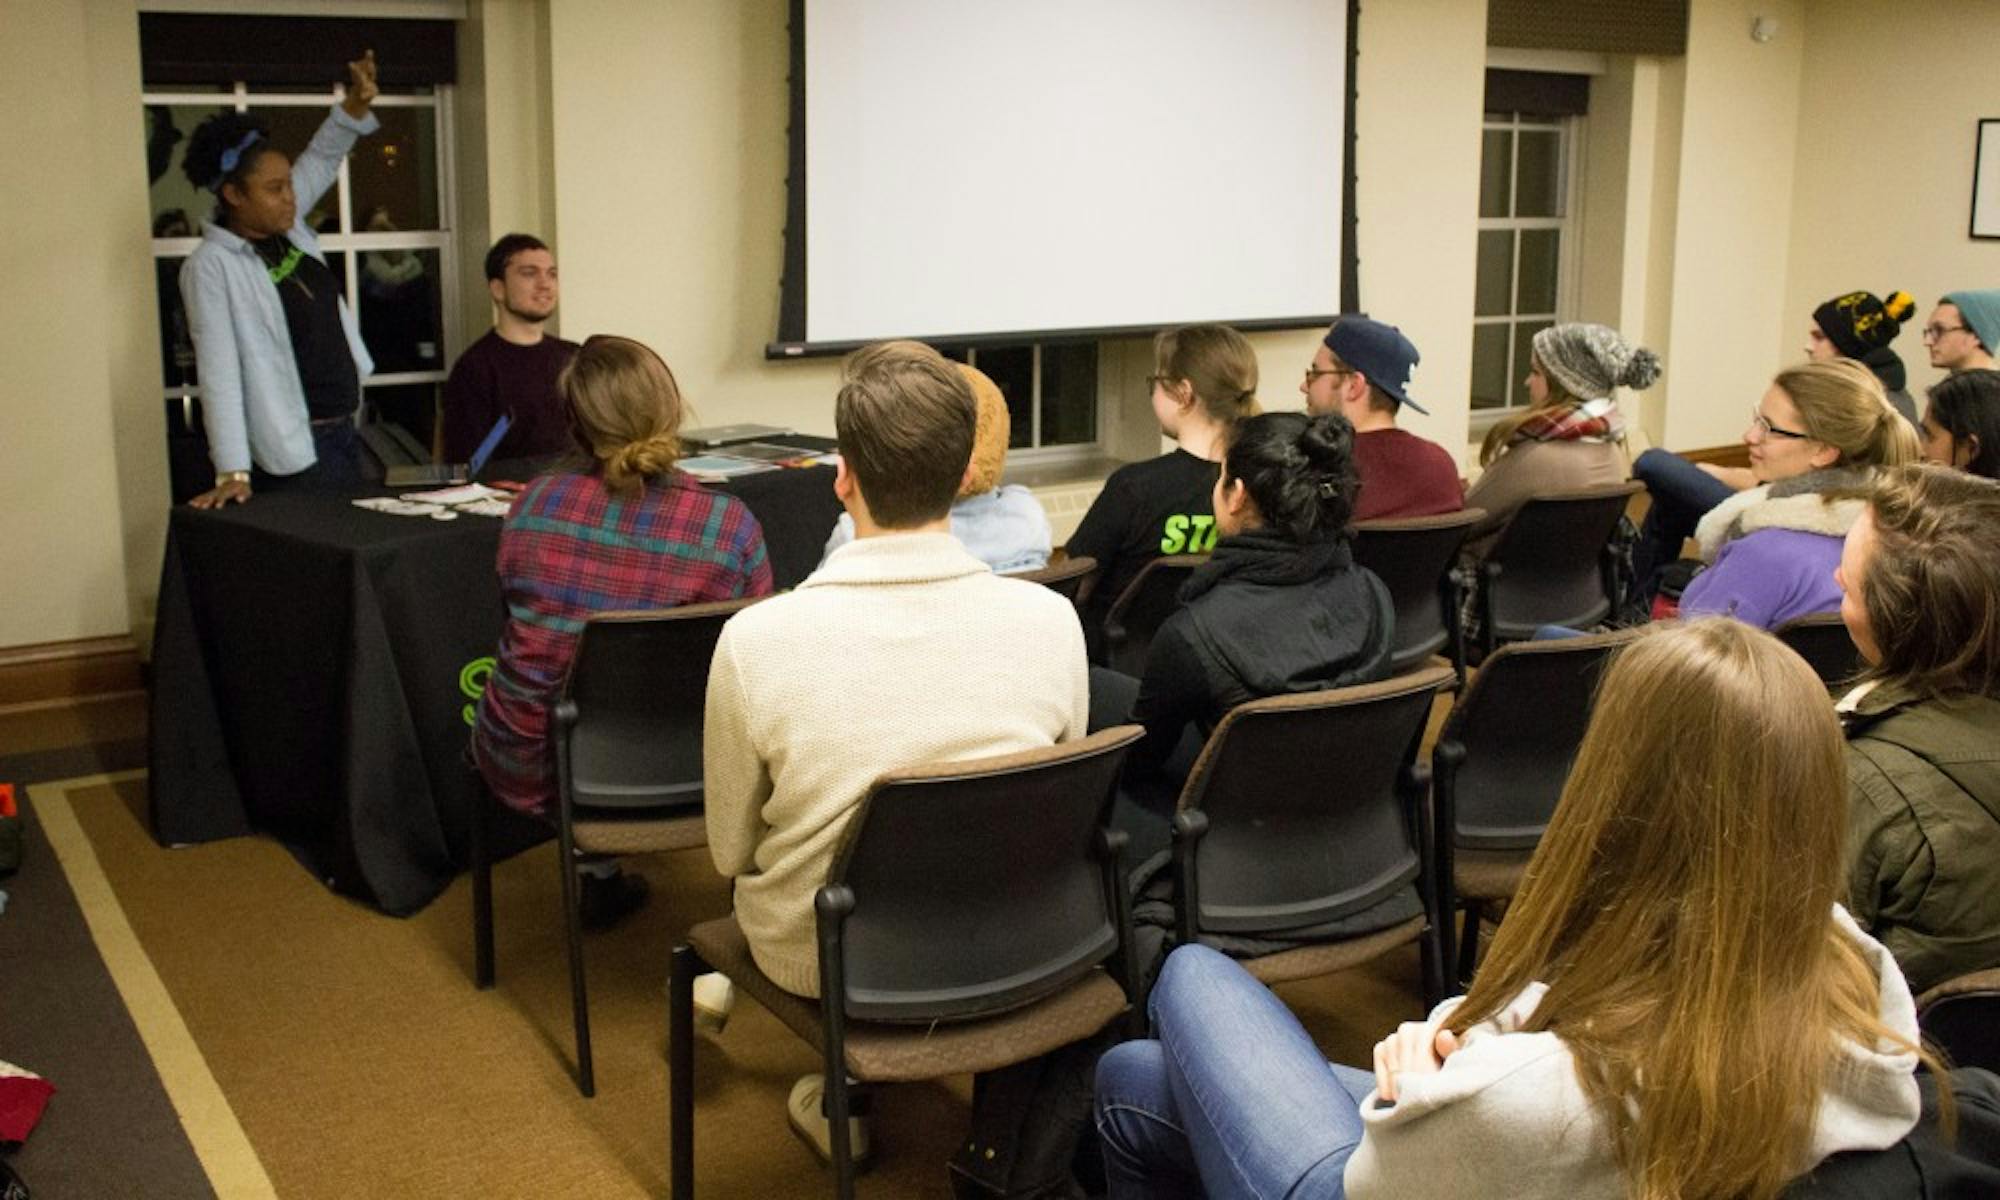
69, 670
1734, 455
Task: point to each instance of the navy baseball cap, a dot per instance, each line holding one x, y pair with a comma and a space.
1378, 351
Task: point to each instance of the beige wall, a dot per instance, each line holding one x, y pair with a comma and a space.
1884, 165
82, 470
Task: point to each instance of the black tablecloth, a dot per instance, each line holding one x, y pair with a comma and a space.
316, 665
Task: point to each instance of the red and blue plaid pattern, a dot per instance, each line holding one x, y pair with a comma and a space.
571, 549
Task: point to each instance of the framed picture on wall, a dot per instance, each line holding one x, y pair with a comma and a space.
1986, 181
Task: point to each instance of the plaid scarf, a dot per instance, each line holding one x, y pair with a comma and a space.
1593, 421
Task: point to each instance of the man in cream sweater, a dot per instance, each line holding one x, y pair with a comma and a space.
901, 649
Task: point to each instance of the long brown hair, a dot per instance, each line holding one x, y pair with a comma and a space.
625, 410
1505, 428
1679, 910
1932, 587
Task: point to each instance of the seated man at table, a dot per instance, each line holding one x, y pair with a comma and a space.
511, 371
901, 649
626, 532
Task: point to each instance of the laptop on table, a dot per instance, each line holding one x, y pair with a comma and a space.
426, 474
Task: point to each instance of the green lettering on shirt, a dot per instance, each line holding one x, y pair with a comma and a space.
1176, 535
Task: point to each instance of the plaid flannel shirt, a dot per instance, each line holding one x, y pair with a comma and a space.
570, 549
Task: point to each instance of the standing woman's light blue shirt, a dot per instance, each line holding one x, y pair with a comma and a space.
252, 402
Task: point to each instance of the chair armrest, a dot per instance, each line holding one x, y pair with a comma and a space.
1190, 825
1975, 982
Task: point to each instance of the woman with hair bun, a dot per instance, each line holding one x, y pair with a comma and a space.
1281, 606
1571, 435
1816, 441
620, 529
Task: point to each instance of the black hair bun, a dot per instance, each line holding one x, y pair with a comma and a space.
202, 163
1327, 442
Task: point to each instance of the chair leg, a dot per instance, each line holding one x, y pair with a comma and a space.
834, 1102
680, 1066
586, 1078
482, 888
1468, 940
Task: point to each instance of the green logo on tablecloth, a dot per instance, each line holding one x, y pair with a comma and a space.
472, 679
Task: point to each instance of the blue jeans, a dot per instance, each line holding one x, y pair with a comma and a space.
1233, 1099
1682, 493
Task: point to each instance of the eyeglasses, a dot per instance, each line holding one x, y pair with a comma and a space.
1933, 332
1761, 425
1313, 373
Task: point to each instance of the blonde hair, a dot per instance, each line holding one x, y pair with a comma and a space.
1679, 910
1214, 360
625, 410
1843, 405
1505, 428
989, 442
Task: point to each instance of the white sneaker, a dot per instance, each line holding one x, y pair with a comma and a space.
810, 1123
714, 997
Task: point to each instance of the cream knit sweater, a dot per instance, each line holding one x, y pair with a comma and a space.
900, 650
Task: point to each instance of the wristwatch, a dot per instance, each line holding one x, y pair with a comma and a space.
226, 477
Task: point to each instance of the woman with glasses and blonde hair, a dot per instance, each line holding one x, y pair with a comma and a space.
1920, 577
1675, 1007
1816, 440
618, 528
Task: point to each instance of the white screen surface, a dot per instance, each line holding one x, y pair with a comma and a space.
976, 167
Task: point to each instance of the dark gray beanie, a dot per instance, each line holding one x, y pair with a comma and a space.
1589, 360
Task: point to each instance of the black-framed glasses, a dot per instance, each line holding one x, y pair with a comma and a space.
1762, 424
1933, 332
1313, 373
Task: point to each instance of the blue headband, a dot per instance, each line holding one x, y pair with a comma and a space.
234, 155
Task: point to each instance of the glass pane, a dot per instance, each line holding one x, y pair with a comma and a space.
1495, 160
411, 405
1535, 291
1496, 273
1524, 338
1537, 181
393, 172
1013, 369
291, 131
1069, 394
1489, 366
401, 309
178, 205
176, 347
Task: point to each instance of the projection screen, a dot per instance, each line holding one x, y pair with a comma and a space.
971, 170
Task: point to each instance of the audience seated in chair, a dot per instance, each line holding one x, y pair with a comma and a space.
1861, 326
1675, 1005
626, 531
1204, 378
1816, 440
1279, 608
1921, 577
1571, 435
1003, 525
901, 649
1362, 371
1961, 425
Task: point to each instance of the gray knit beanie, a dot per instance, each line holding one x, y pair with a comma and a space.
1589, 360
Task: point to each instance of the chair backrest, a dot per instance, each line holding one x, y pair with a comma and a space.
1137, 614
979, 886
1413, 557
1064, 578
1520, 722
639, 683
1308, 818
1962, 1017
1548, 565
1822, 640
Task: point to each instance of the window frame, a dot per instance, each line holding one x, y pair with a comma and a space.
1567, 224
1035, 453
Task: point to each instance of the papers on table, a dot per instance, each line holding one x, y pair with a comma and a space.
442, 504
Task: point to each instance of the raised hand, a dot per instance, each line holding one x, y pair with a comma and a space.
361, 88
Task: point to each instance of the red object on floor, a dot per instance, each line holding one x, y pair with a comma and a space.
23, 1095
7, 808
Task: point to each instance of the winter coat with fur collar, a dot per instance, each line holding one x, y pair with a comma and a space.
1773, 549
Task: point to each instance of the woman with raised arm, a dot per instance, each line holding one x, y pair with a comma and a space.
279, 355
1676, 1008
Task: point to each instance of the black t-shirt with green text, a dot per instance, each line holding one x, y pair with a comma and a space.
1153, 509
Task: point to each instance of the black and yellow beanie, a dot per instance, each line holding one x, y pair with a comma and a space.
1858, 323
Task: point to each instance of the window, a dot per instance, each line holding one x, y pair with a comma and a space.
385, 227
1526, 243
1051, 391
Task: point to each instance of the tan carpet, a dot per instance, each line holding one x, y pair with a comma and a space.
359, 1059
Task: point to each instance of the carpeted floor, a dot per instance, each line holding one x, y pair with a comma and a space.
350, 1054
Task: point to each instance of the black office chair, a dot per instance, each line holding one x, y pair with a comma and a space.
627, 737
1138, 612
1962, 1017
1501, 762
1065, 577
1822, 640
1415, 558
1304, 810
1552, 564
964, 926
